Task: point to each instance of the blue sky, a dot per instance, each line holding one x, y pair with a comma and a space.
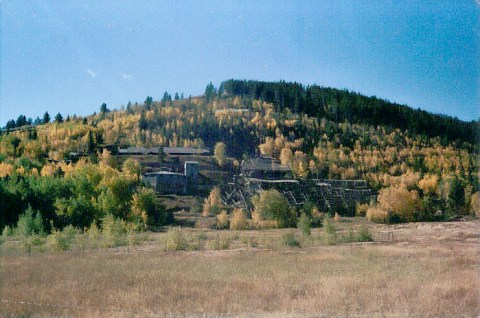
71, 56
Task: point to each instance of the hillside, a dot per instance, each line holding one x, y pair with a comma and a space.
427, 163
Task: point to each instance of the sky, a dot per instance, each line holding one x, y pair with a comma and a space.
71, 56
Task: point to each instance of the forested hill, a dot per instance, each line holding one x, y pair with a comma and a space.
342, 105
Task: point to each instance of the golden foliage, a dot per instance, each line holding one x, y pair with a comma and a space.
429, 184
5, 169
213, 204
222, 220
239, 220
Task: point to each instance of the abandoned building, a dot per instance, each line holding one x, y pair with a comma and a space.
261, 173
166, 182
185, 151
139, 151
264, 168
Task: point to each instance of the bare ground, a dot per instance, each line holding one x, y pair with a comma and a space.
429, 270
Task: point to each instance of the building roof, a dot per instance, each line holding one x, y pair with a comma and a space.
256, 180
185, 151
263, 164
162, 173
139, 150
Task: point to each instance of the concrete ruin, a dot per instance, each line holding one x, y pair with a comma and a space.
167, 182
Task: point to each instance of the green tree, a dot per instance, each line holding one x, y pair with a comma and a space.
30, 223
59, 118
104, 109
21, 121
148, 103
210, 92
46, 118
142, 123
305, 224
272, 205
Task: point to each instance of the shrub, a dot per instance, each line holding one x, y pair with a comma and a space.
475, 204
7, 232
361, 209
239, 220
222, 220
62, 240
197, 206
337, 217
395, 205
363, 234
30, 224
176, 240
221, 243
147, 210
377, 215
289, 239
331, 230
225, 243
202, 236
272, 205
305, 223
349, 237
114, 231
93, 235
213, 204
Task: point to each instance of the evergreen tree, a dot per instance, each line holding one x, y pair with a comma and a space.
58, 118
10, 124
148, 103
209, 92
104, 109
21, 121
129, 108
46, 118
142, 123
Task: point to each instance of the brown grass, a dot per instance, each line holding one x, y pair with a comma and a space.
429, 277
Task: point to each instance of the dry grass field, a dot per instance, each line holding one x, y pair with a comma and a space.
429, 270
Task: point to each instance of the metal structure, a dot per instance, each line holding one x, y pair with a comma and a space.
261, 174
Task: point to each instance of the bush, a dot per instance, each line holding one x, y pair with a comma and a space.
337, 217
361, 209
176, 240
289, 239
395, 205
272, 205
7, 232
331, 230
239, 220
305, 223
202, 236
222, 220
213, 204
62, 240
114, 231
377, 215
363, 234
475, 204
93, 235
28, 224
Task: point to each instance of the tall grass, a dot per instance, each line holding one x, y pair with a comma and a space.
359, 280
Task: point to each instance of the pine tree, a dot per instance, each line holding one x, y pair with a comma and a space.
46, 118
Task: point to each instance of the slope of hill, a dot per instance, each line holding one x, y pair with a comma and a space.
413, 158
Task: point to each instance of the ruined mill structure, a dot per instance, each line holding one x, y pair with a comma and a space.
261, 173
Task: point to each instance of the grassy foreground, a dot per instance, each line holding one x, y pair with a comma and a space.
431, 270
